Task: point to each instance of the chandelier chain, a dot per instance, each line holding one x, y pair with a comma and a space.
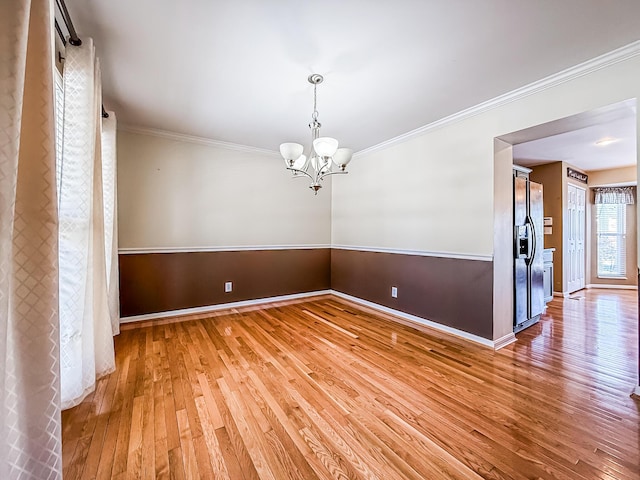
314, 115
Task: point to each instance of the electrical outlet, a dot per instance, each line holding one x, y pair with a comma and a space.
228, 286
394, 292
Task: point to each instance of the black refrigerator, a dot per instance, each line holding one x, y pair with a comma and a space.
529, 243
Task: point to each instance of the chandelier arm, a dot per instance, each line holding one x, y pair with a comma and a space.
339, 172
295, 175
295, 170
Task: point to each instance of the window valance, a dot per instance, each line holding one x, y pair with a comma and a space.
615, 195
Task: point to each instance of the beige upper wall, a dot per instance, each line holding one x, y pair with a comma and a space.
432, 193
435, 192
175, 194
613, 176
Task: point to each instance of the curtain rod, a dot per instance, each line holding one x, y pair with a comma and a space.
60, 34
73, 35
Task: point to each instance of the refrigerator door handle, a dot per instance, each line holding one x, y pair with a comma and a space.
533, 237
531, 240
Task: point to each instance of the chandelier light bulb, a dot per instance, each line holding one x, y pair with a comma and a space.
325, 146
300, 162
342, 157
291, 151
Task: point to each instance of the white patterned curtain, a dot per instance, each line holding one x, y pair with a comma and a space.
109, 190
614, 195
30, 438
86, 331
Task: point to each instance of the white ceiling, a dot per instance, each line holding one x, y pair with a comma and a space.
577, 145
237, 71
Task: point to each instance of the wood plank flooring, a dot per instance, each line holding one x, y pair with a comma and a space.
326, 389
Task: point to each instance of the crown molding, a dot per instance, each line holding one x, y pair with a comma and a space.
615, 56
181, 137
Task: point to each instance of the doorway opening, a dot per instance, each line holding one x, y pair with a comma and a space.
570, 157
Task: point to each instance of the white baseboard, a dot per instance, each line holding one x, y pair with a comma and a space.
221, 306
613, 286
596, 285
497, 344
418, 320
508, 339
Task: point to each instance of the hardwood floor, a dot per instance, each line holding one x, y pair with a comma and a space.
331, 390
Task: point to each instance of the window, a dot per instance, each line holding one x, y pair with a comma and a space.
611, 229
85, 172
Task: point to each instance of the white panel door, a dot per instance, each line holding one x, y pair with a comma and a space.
576, 215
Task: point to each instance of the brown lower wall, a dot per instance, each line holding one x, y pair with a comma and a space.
453, 292
159, 282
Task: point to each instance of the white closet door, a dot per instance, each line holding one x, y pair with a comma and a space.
575, 227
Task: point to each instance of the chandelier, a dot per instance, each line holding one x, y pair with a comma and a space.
324, 157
